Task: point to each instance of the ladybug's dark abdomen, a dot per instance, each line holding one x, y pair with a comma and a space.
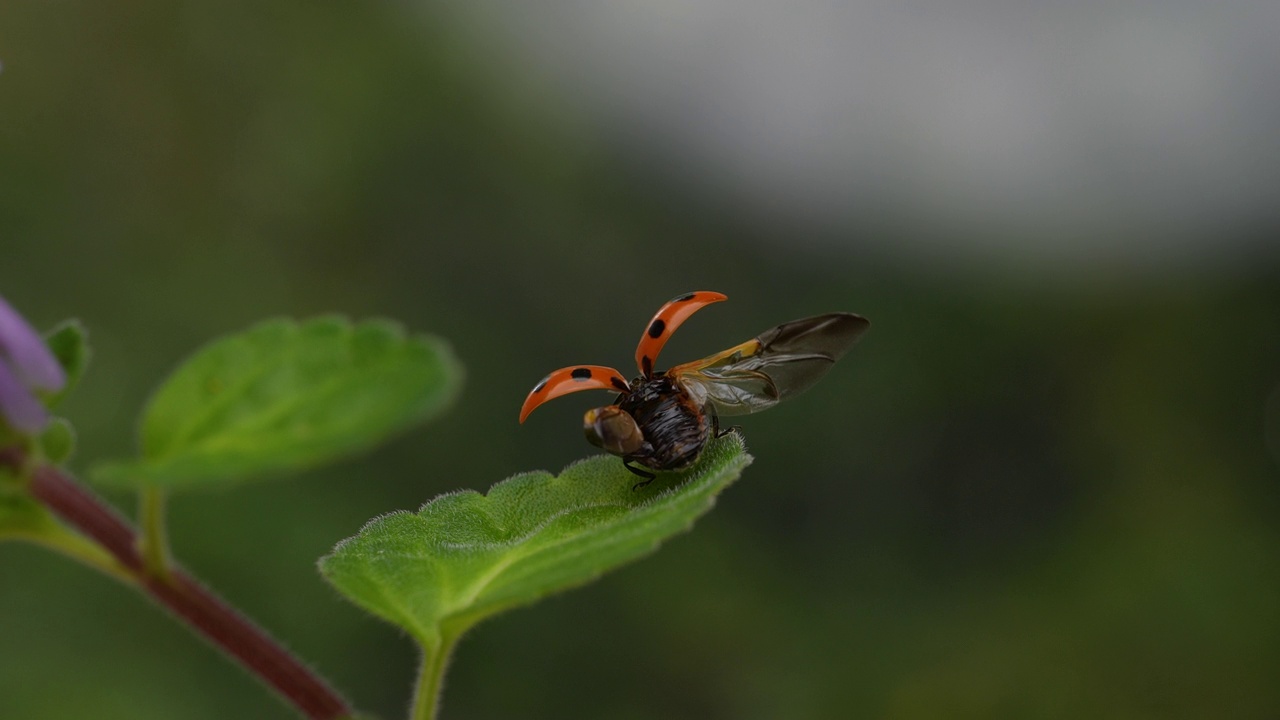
675, 431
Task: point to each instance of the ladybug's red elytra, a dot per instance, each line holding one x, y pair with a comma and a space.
661, 421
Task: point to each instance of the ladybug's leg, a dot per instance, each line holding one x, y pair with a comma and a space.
715, 425
648, 476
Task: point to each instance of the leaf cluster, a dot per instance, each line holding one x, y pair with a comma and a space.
284, 396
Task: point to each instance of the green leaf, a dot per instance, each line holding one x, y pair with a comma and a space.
284, 396
58, 441
21, 517
465, 556
70, 347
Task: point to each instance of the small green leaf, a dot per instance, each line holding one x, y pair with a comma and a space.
465, 556
285, 396
69, 343
58, 441
21, 517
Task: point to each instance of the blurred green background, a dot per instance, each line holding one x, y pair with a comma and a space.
1043, 486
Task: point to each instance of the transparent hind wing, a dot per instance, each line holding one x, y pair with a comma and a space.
779, 364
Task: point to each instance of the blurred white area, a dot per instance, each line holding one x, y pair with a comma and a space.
1068, 131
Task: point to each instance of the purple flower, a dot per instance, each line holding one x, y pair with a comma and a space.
26, 365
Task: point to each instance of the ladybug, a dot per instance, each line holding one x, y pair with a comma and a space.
661, 421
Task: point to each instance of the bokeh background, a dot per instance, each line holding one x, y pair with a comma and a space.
1043, 486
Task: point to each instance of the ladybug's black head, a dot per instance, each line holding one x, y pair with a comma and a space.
613, 430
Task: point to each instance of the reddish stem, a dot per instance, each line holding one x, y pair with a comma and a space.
85, 512
182, 595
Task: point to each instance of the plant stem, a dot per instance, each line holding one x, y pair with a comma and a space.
87, 513
186, 598
154, 540
435, 660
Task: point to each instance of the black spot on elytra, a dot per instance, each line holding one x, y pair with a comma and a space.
581, 374
646, 365
619, 384
655, 330
685, 298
